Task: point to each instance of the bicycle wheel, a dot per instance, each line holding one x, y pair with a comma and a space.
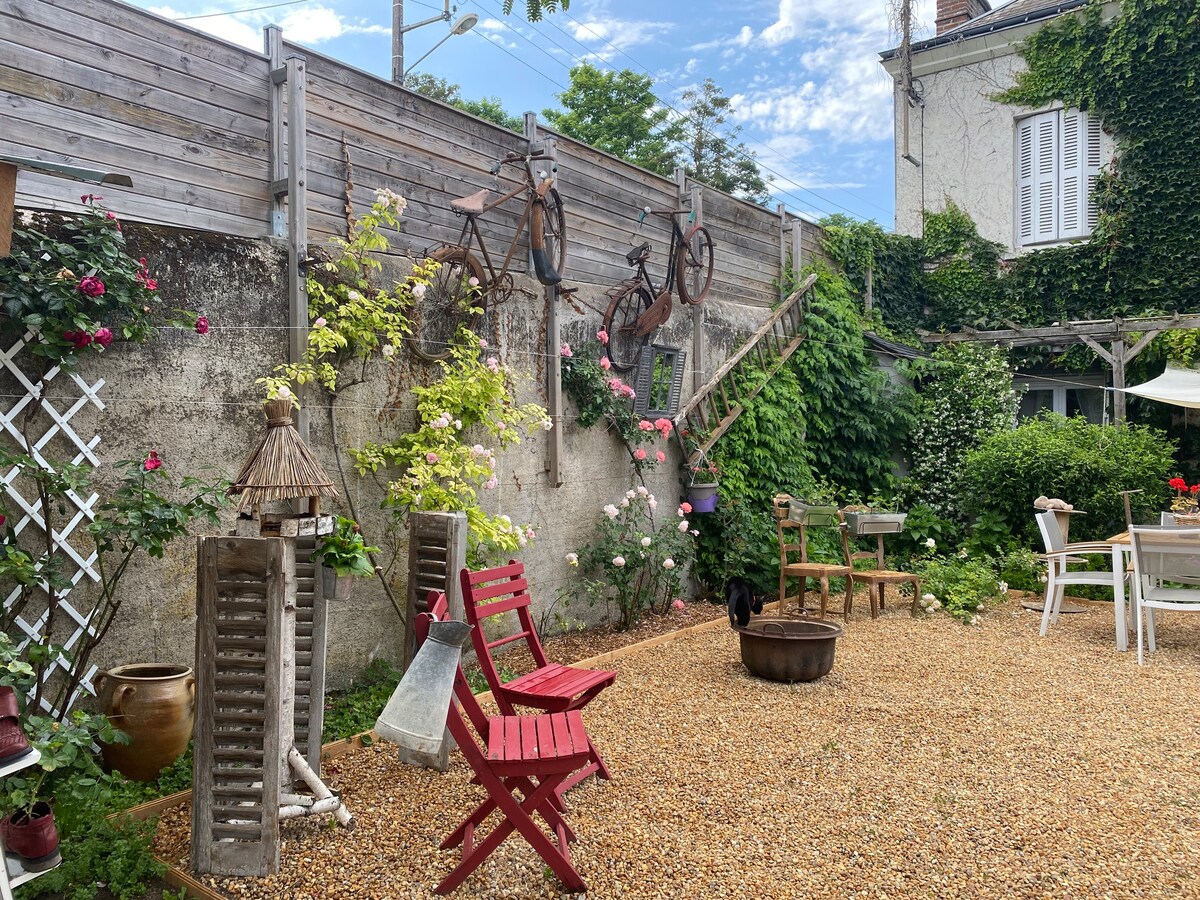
695, 259
450, 301
554, 228
620, 320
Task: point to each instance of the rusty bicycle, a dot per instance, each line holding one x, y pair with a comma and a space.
636, 307
464, 286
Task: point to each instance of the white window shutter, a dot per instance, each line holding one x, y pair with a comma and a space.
1025, 131
1073, 191
1093, 163
1046, 177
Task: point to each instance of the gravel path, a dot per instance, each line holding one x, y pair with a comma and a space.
936, 760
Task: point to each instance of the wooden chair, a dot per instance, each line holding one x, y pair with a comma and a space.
513, 757
550, 687
875, 579
804, 569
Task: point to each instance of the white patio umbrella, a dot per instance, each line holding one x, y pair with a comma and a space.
1179, 387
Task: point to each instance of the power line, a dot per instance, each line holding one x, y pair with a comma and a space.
237, 12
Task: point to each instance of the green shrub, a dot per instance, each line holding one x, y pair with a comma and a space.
962, 587
99, 852
1086, 465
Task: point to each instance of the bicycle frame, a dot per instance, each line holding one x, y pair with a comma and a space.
668, 284
536, 193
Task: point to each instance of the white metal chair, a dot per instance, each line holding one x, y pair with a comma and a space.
1059, 555
1166, 575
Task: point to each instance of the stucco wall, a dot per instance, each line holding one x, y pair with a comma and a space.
194, 400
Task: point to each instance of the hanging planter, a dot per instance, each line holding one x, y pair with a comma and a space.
703, 497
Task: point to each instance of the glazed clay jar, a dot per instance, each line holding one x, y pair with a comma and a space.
153, 703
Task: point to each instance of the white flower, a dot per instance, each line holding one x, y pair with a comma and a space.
625, 503
572, 559
974, 620
1042, 578
930, 543
611, 511
679, 512
695, 532
354, 295
645, 542
478, 450
547, 425
618, 561
506, 520
642, 490
683, 526
458, 424
387, 349
521, 540
929, 598
418, 290
935, 605
629, 495
668, 563
652, 503
1002, 587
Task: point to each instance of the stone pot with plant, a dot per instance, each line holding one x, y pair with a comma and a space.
343, 554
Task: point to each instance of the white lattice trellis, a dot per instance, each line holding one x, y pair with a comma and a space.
53, 424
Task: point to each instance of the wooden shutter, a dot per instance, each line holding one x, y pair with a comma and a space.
1093, 141
1045, 177
1025, 132
1073, 176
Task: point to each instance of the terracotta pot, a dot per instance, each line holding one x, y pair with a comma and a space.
153, 704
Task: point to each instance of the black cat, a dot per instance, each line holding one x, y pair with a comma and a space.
740, 597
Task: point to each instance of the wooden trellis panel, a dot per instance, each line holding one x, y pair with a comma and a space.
52, 435
242, 585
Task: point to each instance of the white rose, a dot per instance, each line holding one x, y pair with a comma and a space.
683, 525
645, 542
572, 559
668, 563
611, 511
930, 543
618, 561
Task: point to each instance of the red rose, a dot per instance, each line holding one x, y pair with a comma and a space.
79, 338
152, 461
3, 519
91, 286
202, 325
103, 337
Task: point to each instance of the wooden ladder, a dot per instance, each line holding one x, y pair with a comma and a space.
718, 403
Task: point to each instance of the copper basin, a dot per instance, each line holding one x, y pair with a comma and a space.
789, 649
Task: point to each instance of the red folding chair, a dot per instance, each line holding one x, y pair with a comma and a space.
529, 754
550, 687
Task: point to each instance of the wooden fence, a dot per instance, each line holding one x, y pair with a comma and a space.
99, 84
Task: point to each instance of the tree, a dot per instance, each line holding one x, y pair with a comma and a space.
709, 156
488, 108
618, 113
535, 8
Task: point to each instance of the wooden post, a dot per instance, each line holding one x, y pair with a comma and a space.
276, 129
297, 210
553, 327
869, 294
1118, 370
8, 202
697, 194
783, 229
797, 249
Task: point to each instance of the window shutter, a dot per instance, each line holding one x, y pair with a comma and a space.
643, 380
676, 383
1025, 181
1073, 194
1093, 162
1045, 177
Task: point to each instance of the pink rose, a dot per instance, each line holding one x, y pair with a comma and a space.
103, 337
605, 363
602, 336
431, 457
565, 350
660, 456
319, 322
483, 343
677, 603
639, 454
152, 461
90, 286
645, 425
202, 325
686, 507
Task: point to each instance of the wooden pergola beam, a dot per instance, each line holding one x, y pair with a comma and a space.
1070, 332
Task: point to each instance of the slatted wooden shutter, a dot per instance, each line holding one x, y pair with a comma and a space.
1093, 141
1081, 149
1045, 177
242, 586
1025, 229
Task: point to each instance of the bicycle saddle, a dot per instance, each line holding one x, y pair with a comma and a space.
472, 204
637, 254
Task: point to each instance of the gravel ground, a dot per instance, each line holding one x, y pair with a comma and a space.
936, 760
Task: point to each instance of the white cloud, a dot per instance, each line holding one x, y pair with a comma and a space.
310, 25
608, 35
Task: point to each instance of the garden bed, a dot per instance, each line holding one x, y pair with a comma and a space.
935, 759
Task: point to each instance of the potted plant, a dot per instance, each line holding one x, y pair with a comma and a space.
702, 486
818, 508
343, 554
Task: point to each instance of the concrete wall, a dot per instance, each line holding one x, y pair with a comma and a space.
193, 399
963, 139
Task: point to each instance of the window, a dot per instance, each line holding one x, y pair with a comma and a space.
658, 382
1058, 159
1074, 395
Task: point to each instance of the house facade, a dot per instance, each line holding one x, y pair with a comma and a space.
1025, 176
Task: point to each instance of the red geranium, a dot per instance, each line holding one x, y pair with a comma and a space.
1178, 484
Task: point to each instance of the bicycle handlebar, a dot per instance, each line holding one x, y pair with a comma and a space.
665, 213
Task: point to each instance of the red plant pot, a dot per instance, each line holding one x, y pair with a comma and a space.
33, 838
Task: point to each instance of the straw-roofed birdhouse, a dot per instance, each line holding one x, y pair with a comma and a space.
281, 467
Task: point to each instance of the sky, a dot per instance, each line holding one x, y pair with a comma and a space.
813, 102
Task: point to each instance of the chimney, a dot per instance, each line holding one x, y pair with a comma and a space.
952, 13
